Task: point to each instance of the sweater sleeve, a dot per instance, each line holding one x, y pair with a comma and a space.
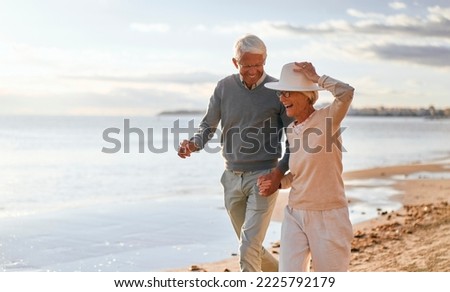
343, 94
210, 121
283, 164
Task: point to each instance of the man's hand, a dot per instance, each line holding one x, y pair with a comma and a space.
186, 148
269, 183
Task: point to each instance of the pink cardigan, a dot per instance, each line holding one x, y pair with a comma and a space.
315, 162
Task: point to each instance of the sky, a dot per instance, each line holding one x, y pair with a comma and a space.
141, 57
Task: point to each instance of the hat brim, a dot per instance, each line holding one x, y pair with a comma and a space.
285, 87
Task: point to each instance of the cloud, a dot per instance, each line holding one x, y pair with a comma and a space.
422, 40
365, 15
150, 27
435, 24
426, 55
116, 101
397, 5
438, 14
182, 78
261, 28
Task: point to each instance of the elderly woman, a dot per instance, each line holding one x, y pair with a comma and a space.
316, 221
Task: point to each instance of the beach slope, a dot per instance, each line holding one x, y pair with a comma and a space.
414, 238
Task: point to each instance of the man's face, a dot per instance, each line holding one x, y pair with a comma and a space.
251, 67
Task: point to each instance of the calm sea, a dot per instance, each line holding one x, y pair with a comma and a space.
57, 162
56, 168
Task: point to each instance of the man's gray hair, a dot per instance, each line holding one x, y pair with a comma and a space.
249, 44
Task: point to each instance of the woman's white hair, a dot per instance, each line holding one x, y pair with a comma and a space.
249, 44
312, 95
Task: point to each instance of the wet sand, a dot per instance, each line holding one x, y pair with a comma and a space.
414, 238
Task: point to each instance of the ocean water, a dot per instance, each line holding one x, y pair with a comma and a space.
67, 205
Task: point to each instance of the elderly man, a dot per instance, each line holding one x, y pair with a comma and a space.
252, 120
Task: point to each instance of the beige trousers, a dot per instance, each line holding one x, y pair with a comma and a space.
326, 236
250, 216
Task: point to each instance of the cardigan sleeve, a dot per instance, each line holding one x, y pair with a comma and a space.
343, 94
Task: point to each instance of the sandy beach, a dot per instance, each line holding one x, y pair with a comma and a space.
414, 238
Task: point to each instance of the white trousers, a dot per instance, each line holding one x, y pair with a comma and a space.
324, 236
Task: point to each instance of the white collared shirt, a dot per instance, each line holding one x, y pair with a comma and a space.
257, 82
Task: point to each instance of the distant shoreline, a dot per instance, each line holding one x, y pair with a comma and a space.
181, 112
429, 113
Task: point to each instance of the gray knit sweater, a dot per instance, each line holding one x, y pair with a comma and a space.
251, 124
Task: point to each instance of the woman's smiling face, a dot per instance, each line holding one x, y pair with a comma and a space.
295, 102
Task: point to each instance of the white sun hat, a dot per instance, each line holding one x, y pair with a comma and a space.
293, 81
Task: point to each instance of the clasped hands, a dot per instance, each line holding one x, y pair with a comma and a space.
269, 183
